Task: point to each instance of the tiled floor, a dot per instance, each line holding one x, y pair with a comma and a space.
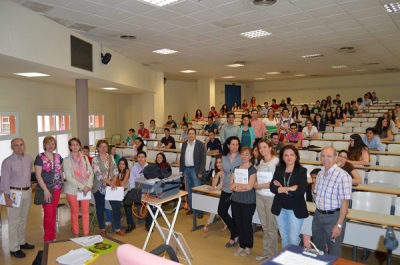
207, 248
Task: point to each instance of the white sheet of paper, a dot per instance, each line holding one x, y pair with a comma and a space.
291, 258
264, 177
241, 176
115, 195
81, 197
15, 196
87, 240
78, 256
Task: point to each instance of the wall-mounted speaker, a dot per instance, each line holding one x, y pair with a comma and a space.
105, 59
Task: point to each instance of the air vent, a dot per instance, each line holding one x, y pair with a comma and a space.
81, 54
81, 27
285, 72
37, 7
369, 64
347, 50
264, 2
390, 69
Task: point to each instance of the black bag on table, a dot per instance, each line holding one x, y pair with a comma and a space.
133, 196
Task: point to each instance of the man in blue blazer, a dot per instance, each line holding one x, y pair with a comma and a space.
192, 164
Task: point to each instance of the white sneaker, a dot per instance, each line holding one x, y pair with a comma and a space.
108, 223
238, 251
261, 257
245, 252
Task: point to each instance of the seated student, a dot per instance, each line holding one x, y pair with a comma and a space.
339, 114
112, 150
224, 109
235, 106
184, 134
358, 151
167, 142
209, 126
348, 111
374, 98
212, 113
294, 137
245, 113
310, 131
245, 105
213, 144
319, 122
330, 119
274, 105
198, 116
138, 147
367, 102
355, 107
185, 119
170, 123
218, 122
276, 143
360, 105
382, 129
348, 167
130, 139
338, 101
153, 127
265, 109
305, 111
86, 152
143, 132
316, 109
282, 104
371, 140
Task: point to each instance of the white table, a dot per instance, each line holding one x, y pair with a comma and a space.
158, 202
207, 201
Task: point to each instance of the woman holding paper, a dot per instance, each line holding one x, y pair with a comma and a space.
289, 185
244, 201
79, 175
267, 161
105, 170
48, 172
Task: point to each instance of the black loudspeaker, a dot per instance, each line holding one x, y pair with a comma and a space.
105, 59
165, 80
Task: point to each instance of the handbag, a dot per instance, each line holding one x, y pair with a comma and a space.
39, 195
133, 196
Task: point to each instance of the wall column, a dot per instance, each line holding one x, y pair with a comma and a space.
206, 94
82, 110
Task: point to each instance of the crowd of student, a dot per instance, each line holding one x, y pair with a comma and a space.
275, 186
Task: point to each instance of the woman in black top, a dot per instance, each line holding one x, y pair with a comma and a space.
330, 119
289, 185
339, 114
319, 122
305, 112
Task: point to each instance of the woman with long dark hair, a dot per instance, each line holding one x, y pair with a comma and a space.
319, 122
339, 114
289, 185
296, 115
348, 111
358, 151
224, 109
305, 111
330, 119
230, 160
382, 129
198, 116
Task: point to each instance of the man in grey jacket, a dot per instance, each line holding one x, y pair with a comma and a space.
192, 164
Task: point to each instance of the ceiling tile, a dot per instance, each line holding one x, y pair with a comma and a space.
184, 21
64, 13
86, 6
307, 24
326, 11
97, 20
370, 12
162, 14
360, 5
115, 14
141, 21
208, 15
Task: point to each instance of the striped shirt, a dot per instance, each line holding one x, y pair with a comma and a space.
333, 188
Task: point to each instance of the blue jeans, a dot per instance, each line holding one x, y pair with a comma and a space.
191, 181
289, 227
116, 212
100, 204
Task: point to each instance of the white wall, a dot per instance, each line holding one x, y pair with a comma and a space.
31, 98
180, 97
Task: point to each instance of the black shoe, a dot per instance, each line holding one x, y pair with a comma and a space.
18, 254
27, 246
130, 228
148, 228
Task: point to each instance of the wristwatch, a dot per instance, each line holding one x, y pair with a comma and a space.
339, 225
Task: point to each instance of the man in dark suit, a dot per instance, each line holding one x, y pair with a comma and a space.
192, 164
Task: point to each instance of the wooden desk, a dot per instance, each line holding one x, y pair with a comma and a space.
58, 248
377, 188
157, 140
361, 167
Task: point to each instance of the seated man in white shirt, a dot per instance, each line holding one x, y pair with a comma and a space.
372, 140
367, 102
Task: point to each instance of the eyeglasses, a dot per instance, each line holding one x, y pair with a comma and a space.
344, 157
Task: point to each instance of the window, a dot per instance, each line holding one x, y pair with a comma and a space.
8, 131
58, 126
96, 128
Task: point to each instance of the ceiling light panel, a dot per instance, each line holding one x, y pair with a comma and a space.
31, 74
259, 78
188, 71
339, 66
312, 56
255, 34
161, 3
393, 7
165, 51
235, 65
273, 73
228, 76
110, 88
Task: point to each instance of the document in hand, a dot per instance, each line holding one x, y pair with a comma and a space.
15, 196
241, 176
115, 195
81, 197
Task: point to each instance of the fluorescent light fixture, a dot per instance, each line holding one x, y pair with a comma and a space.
228, 76
110, 88
188, 71
259, 78
31, 74
273, 73
235, 65
160, 3
339, 66
300, 75
255, 34
316, 55
393, 7
360, 70
165, 51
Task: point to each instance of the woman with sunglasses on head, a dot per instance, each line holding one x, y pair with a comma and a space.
348, 167
358, 151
